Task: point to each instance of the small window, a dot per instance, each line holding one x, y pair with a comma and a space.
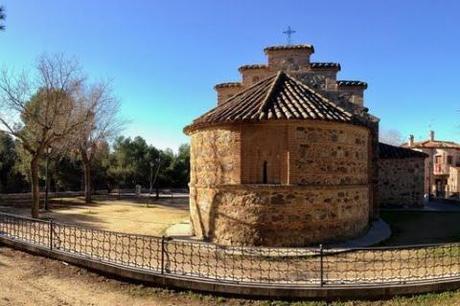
449, 160
437, 159
264, 173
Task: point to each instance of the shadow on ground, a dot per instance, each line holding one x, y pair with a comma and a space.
421, 227
4, 254
130, 214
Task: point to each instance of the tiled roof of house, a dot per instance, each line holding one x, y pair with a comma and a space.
433, 144
278, 97
253, 66
352, 83
318, 65
289, 47
389, 151
227, 84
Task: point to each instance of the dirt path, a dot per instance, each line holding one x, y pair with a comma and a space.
33, 280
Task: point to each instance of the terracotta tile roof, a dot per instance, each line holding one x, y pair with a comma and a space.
432, 144
352, 83
389, 151
253, 66
317, 65
277, 97
227, 84
289, 47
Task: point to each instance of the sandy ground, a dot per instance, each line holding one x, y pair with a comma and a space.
129, 216
34, 280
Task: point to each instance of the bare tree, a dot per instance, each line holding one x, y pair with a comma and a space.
390, 136
42, 109
2, 17
104, 124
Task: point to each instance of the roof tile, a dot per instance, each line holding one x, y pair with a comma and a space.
325, 65
434, 144
253, 66
227, 84
352, 83
389, 151
289, 47
279, 96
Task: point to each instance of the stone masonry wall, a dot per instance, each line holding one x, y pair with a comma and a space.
224, 93
328, 153
288, 60
317, 191
305, 153
264, 143
214, 160
252, 76
276, 215
401, 182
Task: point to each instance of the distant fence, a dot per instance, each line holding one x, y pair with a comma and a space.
7, 197
23, 199
304, 267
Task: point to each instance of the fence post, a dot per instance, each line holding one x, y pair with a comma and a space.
51, 226
162, 254
321, 265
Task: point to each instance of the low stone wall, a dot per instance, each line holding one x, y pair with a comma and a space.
279, 215
401, 182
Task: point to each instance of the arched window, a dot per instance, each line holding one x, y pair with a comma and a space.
265, 173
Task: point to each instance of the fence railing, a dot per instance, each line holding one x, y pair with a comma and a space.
261, 265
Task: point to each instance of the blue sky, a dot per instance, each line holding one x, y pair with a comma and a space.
164, 57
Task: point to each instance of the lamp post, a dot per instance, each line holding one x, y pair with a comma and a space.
156, 178
47, 153
152, 164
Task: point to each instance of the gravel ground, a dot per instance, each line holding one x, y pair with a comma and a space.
32, 280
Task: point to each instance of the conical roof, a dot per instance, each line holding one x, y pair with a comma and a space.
278, 97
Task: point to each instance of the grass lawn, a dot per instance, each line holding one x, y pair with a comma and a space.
422, 227
129, 216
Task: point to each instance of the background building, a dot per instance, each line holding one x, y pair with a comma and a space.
441, 166
401, 176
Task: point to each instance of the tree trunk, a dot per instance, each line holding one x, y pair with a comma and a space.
87, 174
35, 187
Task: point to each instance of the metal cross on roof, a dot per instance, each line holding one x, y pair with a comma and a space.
289, 32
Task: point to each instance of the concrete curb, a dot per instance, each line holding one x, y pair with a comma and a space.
379, 231
271, 291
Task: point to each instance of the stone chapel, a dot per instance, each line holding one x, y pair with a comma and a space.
288, 157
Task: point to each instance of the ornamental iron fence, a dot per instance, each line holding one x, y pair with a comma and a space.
253, 265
